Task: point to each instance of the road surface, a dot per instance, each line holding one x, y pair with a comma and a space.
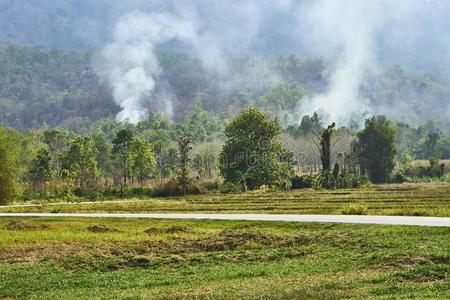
382, 220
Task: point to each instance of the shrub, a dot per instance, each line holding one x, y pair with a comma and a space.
398, 177
229, 187
173, 188
210, 185
302, 182
141, 192
354, 209
94, 195
435, 169
327, 180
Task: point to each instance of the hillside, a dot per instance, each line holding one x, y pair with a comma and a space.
61, 88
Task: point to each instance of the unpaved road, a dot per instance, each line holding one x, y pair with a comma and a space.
382, 220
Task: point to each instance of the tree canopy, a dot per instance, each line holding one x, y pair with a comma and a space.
377, 148
252, 156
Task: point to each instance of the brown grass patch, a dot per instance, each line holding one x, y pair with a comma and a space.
225, 240
410, 261
20, 254
101, 229
168, 230
22, 225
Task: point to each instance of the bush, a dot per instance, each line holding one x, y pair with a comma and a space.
141, 192
229, 187
398, 177
302, 182
94, 195
173, 188
327, 180
210, 185
435, 169
354, 209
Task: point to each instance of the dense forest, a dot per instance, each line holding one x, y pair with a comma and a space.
58, 88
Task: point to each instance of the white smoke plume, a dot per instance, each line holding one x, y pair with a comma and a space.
349, 30
130, 64
349, 27
352, 35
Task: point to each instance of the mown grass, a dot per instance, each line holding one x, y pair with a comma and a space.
56, 258
428, 199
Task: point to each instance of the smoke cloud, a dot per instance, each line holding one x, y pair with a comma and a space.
353, 36
130, 64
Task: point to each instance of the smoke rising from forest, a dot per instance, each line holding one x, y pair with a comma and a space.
345, 31
130, 64
353, 37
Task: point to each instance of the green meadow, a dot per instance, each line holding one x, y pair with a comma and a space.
72, 258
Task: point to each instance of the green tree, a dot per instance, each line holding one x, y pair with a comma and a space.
184, 147
325, 143
9, 165
252, 152
104, 152
142, 160
121, 147
58, 142
40, 171
377, 148
166, 155
430, 146
80, 162
310, 125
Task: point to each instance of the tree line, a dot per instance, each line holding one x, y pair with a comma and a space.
160, 157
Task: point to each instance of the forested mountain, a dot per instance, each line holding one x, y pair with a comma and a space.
61, 88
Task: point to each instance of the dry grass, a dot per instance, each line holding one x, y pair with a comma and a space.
431, 199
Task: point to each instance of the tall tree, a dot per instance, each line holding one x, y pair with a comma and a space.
325, 143
431, 143
142, 160
80, 162
40, 170
121, 147
252, 152
58, 142
9, 165
184, 147
377, 148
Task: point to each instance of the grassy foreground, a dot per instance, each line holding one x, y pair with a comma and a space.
73, 258
428, 199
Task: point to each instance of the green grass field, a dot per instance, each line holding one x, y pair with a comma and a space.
98, 258
428, 199
149, 259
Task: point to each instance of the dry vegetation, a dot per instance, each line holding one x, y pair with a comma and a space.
428, 199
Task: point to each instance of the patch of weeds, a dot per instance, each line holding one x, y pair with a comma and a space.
22, 225
90, 262
32, 253
168, 230
411, 212
411, 261
101, 229
227, 246
56, 210
426, 273
354, 209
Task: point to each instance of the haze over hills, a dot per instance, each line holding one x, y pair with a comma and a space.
387, 57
